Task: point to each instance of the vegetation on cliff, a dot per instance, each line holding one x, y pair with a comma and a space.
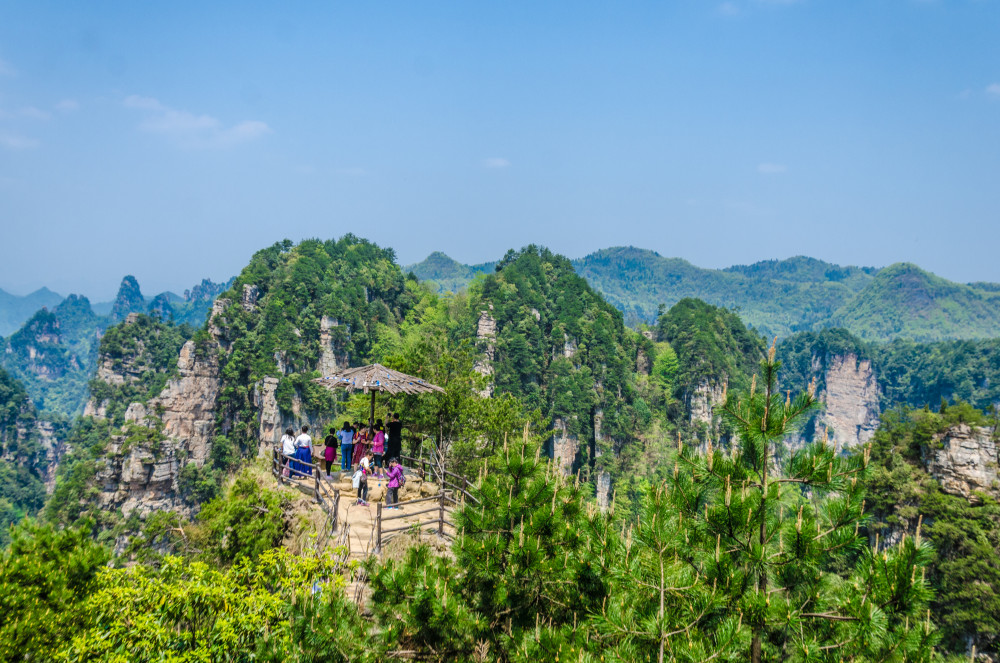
561, 348
908, 373
712, 345
964, 571
22, 459
143, 351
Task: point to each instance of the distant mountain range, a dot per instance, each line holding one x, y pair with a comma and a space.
15, 310
53, 352
777, 297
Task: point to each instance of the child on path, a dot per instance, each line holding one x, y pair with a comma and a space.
330, 453
395, 481
346, 435
365, 469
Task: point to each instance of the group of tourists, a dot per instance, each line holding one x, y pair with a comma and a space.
362, 446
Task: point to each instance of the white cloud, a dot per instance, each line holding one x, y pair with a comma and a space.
771, 168
68, 106
34, 113
496, 162
146, 103
728, 9
993, 89
29, 112
7, 69
190, 129
15, 142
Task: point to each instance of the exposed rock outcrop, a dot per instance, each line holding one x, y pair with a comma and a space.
486, 333
851, 401
144, 477
964, 461
54, 448
330, 360
705, 397
564, 446
603, 476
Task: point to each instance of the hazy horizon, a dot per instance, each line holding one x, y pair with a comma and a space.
108, 294
173, 141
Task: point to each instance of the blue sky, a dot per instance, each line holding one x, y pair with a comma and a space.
172, 140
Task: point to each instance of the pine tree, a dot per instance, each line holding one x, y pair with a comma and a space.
780, 537
521, 583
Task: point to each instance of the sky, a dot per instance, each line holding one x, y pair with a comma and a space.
173, 140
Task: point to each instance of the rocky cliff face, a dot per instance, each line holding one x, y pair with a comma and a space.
705, 397
142, 474
564, 446
486, 333
964, 461
849, 402
603, 477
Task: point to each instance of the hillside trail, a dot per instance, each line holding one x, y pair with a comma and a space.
357, 524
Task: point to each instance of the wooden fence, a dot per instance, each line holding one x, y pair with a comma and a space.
453, 489
327, 497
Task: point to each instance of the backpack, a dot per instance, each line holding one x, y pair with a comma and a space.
402, 478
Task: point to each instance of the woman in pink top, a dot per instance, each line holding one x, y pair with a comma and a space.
378, 447
361, 442
395, 479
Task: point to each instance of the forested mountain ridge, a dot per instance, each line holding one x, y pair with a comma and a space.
15, 310
780, 297
536, 360
904, 301
559, 346
448, 275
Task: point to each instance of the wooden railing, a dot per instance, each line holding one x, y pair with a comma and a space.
328, 498
453, 490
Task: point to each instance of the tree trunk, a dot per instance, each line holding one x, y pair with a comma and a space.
755, 655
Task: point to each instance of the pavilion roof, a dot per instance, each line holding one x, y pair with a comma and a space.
376, 377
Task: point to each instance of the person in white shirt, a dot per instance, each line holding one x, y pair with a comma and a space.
287, 450
303, 444
364, 470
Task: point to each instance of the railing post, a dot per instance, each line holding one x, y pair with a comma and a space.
441, 512
316, 484
336, 507
378, 527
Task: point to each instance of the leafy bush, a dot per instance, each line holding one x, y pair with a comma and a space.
45, 576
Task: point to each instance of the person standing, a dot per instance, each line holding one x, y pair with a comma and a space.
394, 444
288, 452
365, 468
346, 435
330, 452
396, 480
361, 440
304, 450
378, 448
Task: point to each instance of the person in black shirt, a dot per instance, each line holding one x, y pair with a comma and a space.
330, 453
394, 437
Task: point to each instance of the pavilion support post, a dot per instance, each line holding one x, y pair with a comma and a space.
371, 412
